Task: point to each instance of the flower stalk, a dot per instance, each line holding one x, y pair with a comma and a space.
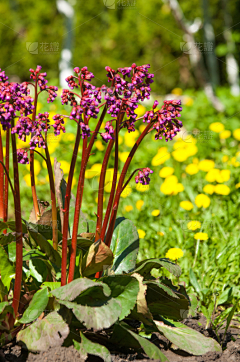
19, 242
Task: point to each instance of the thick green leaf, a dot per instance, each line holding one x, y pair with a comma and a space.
6, 239
36, 307
82, 243
46, 247
12, 226
44, 333
123, 336
95, 313
125, 289
124, 245
87, 347
161, 303
162, 286
72, 290
51, 285
144, 267
7, 269
187, 339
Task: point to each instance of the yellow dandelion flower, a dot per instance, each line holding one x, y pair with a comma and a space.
216, 127
180, 155
177, 91
212, 175
186, 205
128, 208
27, 179
120, 140
237, 185
209, 189
188, 101
195, 160
225, 134
65, 166
192, 169
166, 171
222, 189
236, 134
225, 158
142, 188
202, 200
69, 137
155, 212
37, 167
169, 185
123, 156
142, 128
174, 253
162, 156
223, 176
179, 188
161, 233
201, 236
206, 165
99, 145
140, 111
194, 225
170, 229
139, 204
141, 234
130, 138
126, 192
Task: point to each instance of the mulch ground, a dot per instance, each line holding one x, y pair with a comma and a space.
231, 351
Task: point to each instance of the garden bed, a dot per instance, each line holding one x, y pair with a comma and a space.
14, 353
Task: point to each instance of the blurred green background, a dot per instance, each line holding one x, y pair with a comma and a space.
118, 33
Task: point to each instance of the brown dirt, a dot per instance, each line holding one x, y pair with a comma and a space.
231, 353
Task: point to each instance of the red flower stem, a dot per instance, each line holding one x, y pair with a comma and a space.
66, 207
79, 196
120, 185
32, 175
19, 243
5, 216
53, 197
101, 189
1, 179
114, 182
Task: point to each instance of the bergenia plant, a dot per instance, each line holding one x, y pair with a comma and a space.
110, 297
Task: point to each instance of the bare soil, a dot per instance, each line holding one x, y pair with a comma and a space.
231, 350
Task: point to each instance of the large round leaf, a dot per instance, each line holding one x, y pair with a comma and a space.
124, 245
160, 302
123, 336
87, 347
125, 289
96, 313
72, 290
43, 334
36, 307
144, 267
187, 339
